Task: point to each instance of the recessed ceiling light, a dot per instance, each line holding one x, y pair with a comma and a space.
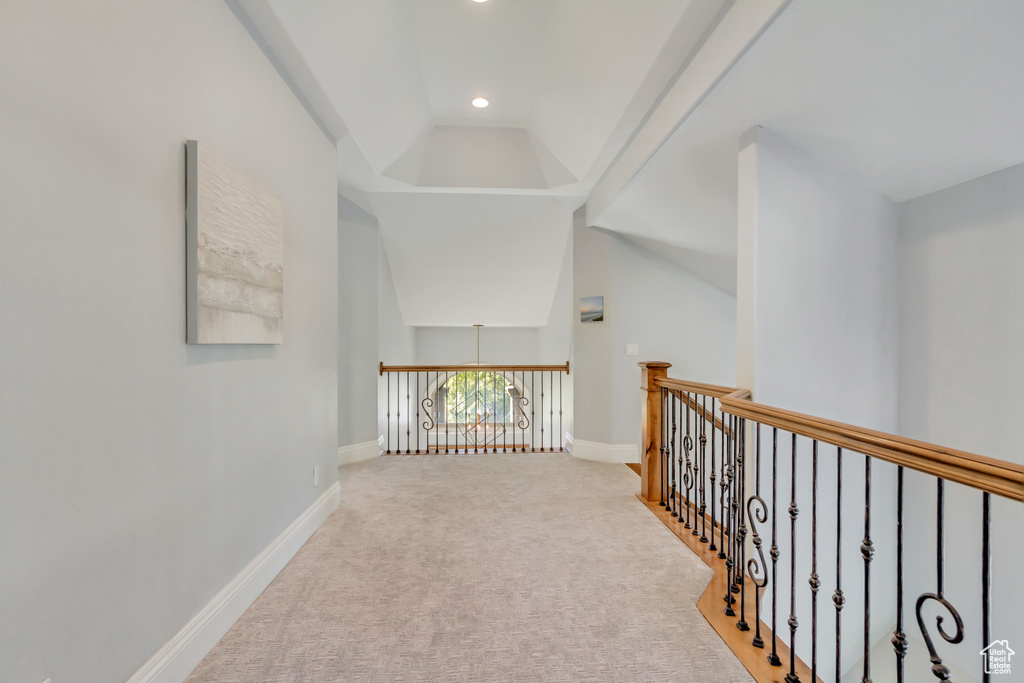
479, 0
479, 102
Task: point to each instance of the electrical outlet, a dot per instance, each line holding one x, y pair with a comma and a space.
316, 475
632, 349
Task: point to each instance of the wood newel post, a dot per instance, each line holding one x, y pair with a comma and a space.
651, 373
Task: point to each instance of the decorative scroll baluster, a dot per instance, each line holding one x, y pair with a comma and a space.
773, 658
791, 677
728, 509
679, 454
757, 567
724, 487
688, 472
427, 404
741, 532
867, 551
940, 670
899, 638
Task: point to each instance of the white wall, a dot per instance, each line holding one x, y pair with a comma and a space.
138, 474
591, 342
675, 317
961, 335
671, 314
457, 345
817, 304
357, 324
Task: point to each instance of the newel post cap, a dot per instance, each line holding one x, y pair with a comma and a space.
650, 371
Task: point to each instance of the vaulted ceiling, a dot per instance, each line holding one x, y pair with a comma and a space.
635, 108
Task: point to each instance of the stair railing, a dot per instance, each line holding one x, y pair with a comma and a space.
472, 408
769, 458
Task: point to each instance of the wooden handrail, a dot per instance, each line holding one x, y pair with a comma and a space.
715, 390
987, 474
470, 368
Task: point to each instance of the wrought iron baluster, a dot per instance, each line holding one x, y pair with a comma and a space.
724, 486
561, 434
678, 460
533, 414
551, 411
899, 638
673, 506
703, 462
986, 576
712, 478
542, 412
476, 427
756, 566
791, 677
773, 658
417, 412
814, 581
728, 550
408, 412
867, 551
387, 380
741, 531
504, 414
688, 447
837, 597
427, 403
445, 415
940, 670
665, 502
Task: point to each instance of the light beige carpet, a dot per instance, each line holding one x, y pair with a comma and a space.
481, 568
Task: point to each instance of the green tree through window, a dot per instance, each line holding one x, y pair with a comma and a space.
479, 396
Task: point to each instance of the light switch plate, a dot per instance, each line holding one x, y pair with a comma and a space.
632, 349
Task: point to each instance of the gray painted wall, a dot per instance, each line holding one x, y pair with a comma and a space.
818, 319
671, 315
357, 324
138, 475
961, 335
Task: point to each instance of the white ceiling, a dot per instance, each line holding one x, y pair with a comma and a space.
910, 97
640, 106
568, 82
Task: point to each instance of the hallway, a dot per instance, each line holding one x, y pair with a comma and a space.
482, 568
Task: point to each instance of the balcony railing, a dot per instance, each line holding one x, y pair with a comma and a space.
732, 478
472, 408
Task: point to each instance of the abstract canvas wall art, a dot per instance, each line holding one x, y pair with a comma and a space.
234, 253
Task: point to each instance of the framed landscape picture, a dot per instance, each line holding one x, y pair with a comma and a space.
592, 309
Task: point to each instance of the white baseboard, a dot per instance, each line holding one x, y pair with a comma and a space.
358, 452
601, 452
181, 654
